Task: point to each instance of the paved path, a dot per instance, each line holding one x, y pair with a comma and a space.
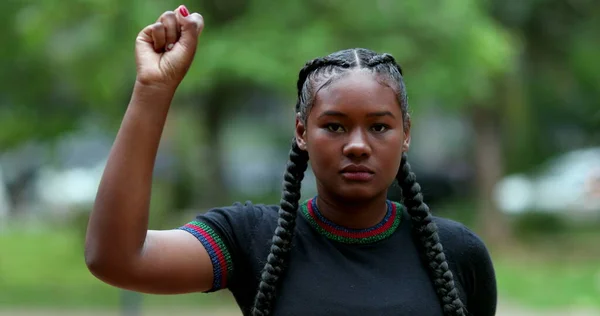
502, 311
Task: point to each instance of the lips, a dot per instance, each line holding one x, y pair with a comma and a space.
356, 168
357, 173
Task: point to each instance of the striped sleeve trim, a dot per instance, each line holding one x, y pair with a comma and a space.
218, 252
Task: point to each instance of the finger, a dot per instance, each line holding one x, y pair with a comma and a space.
198, 21
191, 27
169, 20
158, 36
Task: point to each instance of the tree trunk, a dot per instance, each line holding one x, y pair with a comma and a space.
217, 101
489, 170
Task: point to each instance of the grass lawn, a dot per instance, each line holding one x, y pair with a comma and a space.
45, 268
549, 284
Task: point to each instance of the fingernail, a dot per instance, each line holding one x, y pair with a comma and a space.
184, 11
170, 46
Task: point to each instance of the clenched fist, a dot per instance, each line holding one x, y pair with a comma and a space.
165, 50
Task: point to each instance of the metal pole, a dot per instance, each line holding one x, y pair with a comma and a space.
131, 303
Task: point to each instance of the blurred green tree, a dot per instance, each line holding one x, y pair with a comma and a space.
453, 53
554, 89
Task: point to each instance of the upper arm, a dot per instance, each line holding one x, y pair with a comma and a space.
172, 262
197, 257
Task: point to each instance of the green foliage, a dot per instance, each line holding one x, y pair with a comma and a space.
456, 55
557, 75
84, 51
77, 60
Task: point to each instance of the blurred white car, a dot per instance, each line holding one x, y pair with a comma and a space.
568, 184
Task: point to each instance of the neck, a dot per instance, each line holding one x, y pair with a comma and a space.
353, 214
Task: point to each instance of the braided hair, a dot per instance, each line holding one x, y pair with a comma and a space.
315, 75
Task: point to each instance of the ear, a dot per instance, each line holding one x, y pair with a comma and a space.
300, 133
406, 143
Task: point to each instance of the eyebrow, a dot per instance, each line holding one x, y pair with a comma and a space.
372, 114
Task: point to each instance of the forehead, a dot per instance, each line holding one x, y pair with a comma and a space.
355, 91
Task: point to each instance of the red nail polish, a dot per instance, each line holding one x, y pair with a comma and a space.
183, 10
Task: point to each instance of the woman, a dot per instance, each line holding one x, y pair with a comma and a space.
347, 251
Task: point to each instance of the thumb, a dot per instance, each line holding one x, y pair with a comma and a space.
191, 28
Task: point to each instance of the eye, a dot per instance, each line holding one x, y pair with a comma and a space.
380, 128
335, 128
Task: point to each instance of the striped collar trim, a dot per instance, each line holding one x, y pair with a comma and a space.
382, 230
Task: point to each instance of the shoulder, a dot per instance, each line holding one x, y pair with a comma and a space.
461, 244
458, 238
233, 236
241, 222
472, 264
238, 226
240, 213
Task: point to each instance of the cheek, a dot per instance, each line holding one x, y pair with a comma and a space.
323, 152
391, 153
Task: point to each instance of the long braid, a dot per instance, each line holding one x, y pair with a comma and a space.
426, 231
282, 239
296, 166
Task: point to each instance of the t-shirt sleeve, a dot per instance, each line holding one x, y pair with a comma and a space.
225, 232
479, 273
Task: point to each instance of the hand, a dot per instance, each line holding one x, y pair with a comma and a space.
165, 50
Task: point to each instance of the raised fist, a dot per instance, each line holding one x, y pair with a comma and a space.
165, 50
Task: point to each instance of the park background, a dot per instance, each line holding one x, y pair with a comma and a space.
506, 132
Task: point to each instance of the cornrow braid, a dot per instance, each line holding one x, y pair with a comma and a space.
310, 67
386, 67
282, 238
426, 232
384, 59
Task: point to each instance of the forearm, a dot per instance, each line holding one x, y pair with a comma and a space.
119, 220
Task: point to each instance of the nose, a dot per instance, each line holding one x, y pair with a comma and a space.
357, 145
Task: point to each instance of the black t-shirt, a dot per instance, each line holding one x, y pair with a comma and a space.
334, 270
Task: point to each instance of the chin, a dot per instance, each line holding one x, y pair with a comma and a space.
357, 193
